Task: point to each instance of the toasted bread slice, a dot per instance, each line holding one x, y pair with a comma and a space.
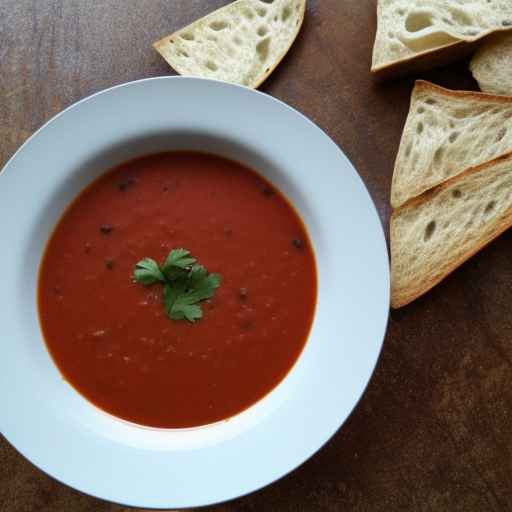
435, 233
413, 35
492, 64
446, 133
241, 43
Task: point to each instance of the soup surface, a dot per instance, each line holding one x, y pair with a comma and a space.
111, 337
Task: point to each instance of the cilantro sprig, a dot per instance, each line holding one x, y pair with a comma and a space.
186, 283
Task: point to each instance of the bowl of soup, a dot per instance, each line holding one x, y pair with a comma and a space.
195, 296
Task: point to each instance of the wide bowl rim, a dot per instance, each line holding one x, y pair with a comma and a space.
11, 163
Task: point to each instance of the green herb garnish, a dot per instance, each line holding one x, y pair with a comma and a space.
186, 283
148, 272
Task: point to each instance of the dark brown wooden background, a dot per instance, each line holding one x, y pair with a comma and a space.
434, 429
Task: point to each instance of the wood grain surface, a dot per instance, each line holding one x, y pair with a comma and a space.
433, 431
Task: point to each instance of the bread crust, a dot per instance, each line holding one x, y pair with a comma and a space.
425, 60
474, 95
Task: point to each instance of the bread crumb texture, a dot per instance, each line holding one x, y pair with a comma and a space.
406, 28
240, 43
447, 132
437, 232
492, 64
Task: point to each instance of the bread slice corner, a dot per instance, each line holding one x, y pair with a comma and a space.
241, 43
446, 133
414, 35
492, 64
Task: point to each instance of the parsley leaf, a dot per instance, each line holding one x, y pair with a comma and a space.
148, 272
186, 283
202, 284
180, 305
178, 261
171, 294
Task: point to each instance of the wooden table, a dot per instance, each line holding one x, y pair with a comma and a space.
434, 429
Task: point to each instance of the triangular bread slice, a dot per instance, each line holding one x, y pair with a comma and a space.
492, 64
435, 233
413, 35
447, 132
241, 43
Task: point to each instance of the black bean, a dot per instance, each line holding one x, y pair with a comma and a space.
243, 294
125, 184
267, 191
298, 244
106, 229
246, 324
109, 264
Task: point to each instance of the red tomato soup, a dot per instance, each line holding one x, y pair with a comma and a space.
111, 337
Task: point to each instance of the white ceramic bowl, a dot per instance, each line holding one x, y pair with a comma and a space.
64, 435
